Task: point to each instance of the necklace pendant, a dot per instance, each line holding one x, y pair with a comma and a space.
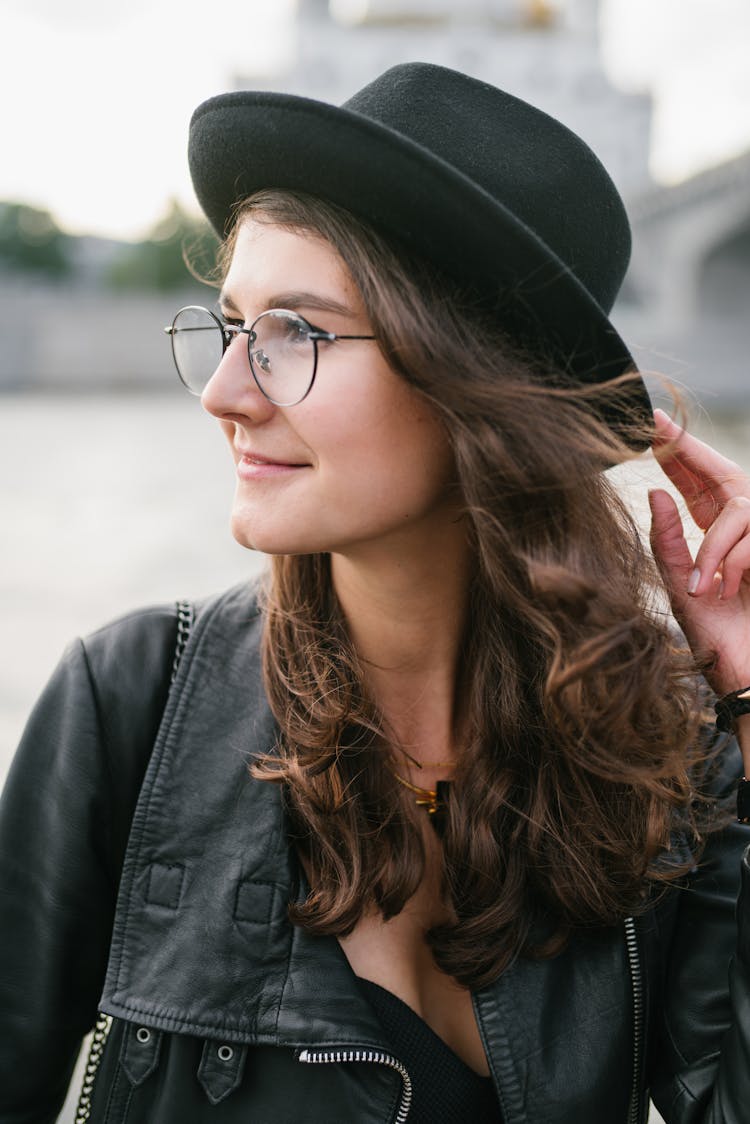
431, 803
432, 800
437, 810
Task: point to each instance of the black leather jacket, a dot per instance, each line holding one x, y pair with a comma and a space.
222, 1010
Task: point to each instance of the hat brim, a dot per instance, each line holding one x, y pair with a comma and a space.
244, 142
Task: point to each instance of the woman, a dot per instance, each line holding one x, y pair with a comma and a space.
430, 830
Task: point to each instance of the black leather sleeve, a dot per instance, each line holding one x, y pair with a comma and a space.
702, 1070
64, 819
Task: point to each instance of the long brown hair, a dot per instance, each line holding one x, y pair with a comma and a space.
583, 707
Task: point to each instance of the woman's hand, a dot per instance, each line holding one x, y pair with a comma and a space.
710, 594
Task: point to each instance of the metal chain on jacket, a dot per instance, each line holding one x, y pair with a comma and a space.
98, 1042
104, 1022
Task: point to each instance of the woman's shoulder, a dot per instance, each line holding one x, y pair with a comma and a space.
141, 637
111, 685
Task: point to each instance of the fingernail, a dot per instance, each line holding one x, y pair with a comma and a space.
695, 578
721, 589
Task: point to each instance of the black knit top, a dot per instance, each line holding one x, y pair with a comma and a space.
444, 1089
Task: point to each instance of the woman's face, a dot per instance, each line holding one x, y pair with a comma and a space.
362, 460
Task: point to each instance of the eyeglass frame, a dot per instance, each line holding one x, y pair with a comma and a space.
229, 332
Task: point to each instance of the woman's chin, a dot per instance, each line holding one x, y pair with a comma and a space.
244, 536
253, 536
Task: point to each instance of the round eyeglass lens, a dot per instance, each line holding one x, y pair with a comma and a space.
282, 356
197, 346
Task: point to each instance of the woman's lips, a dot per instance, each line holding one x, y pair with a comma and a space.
252, 467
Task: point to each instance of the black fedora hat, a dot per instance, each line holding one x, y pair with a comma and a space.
491, 190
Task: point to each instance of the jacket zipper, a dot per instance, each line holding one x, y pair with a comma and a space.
631, 943
318, 1057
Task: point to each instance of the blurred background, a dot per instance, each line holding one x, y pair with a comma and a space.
114, 488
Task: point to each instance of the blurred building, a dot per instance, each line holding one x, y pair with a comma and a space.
546, 52
685, 301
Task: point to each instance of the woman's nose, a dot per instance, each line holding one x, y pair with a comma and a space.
232, 390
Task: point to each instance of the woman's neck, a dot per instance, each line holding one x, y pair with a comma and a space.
407, 618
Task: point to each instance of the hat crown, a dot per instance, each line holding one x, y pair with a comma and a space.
567, 199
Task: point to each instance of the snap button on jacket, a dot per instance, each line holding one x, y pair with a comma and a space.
221, 1069
139, 1053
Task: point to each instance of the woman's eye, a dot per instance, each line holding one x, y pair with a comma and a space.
231, 321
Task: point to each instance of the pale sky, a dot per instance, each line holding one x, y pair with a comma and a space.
693, 57
93, 90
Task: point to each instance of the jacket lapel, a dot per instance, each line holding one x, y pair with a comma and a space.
558, 1033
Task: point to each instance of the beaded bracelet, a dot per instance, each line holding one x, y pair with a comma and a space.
728, 708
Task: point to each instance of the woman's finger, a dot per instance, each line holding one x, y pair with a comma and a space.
668, 544
704, 477
698, 457
725, 547
695, 490
735, 569
698, 495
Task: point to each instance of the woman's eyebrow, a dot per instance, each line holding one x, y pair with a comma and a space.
294, 300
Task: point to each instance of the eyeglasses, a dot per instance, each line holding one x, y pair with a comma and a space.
282, 348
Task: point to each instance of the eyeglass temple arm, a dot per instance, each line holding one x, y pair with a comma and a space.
225, 328
331, 336
237, 330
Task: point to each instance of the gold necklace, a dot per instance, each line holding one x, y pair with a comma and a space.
427, 765
431, 799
